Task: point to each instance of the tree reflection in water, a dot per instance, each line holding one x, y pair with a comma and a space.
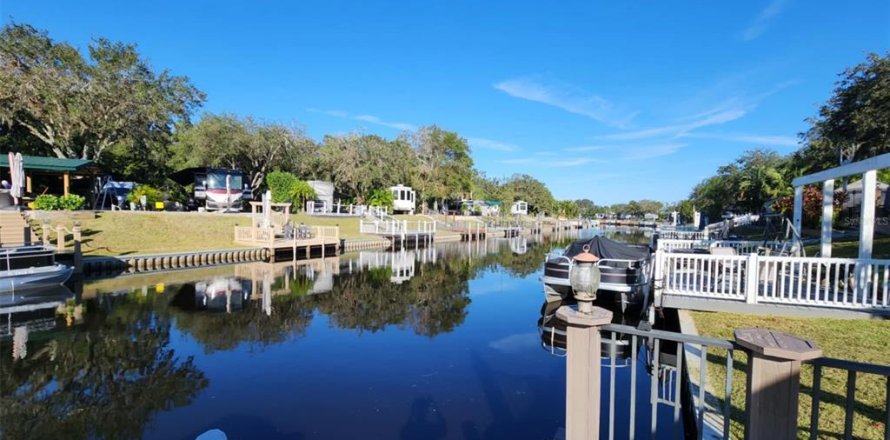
107, 376
104, 380
288, 316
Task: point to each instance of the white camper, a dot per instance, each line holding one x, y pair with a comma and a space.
519, 208
403, 199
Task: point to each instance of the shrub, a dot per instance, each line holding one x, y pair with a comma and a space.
287, 188
151, 194
47, 202
71, 202
281, 184
381, 197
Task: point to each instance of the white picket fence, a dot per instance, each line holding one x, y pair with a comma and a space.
806, 281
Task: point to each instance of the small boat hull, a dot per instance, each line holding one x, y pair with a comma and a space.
34, 278
625, 287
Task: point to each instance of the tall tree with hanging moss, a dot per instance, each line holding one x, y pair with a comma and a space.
108, 105
445, 167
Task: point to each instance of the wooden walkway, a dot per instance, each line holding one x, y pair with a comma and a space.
307, 241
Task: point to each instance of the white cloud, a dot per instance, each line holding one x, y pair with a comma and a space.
586, 148
760, 23
490, 144
643, 152
760, 140
567, 97
558, 163
677, 130
404, 126
729, 109
371, 119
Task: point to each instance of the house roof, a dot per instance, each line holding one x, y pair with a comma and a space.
40, 163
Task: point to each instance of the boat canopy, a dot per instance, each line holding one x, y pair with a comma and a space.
609, 249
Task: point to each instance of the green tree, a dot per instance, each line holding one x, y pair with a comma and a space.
856, 118
287, 188
232, 142
533, 191
111, 107
747, 183
445, 167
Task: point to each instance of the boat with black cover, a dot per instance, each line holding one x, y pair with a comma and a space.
624, 271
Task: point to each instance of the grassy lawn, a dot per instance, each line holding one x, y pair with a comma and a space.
840, 248
857, 340
122, 233
849, 248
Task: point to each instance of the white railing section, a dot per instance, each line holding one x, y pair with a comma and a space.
397, 227
807, 281
684, 235
702, 275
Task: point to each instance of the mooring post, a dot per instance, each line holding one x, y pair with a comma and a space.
45, 230
78, 256
773, 384
583, 371
60, 238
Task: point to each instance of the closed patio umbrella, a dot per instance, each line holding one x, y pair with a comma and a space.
267, 209
16, 175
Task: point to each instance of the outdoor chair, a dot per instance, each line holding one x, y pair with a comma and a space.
724, 272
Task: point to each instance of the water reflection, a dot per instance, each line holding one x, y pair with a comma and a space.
106, 379
399, 340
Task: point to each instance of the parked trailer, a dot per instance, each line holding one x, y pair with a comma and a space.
216, 189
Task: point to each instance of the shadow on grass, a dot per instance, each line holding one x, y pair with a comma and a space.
874, 414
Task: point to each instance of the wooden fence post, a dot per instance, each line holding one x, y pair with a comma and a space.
583, 371
60, 238
45, 230
773, 385
78, 255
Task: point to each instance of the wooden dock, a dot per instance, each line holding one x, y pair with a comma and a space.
306, 241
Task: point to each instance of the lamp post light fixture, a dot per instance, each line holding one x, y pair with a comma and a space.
585, 279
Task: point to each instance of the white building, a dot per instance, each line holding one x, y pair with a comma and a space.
403, 199
324, 196
519, 208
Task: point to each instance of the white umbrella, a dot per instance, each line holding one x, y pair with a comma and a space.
267, 209
228, 192
18, 176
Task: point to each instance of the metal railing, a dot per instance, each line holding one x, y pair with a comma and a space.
667, 386
667, 390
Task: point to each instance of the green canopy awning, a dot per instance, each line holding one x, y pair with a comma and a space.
40, 163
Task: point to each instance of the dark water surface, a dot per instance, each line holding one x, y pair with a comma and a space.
426, 344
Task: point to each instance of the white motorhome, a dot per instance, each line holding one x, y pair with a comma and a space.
403, 199
519, 208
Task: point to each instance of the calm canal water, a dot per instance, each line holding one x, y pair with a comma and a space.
439, 343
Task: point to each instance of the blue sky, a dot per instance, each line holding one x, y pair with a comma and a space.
609, 101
